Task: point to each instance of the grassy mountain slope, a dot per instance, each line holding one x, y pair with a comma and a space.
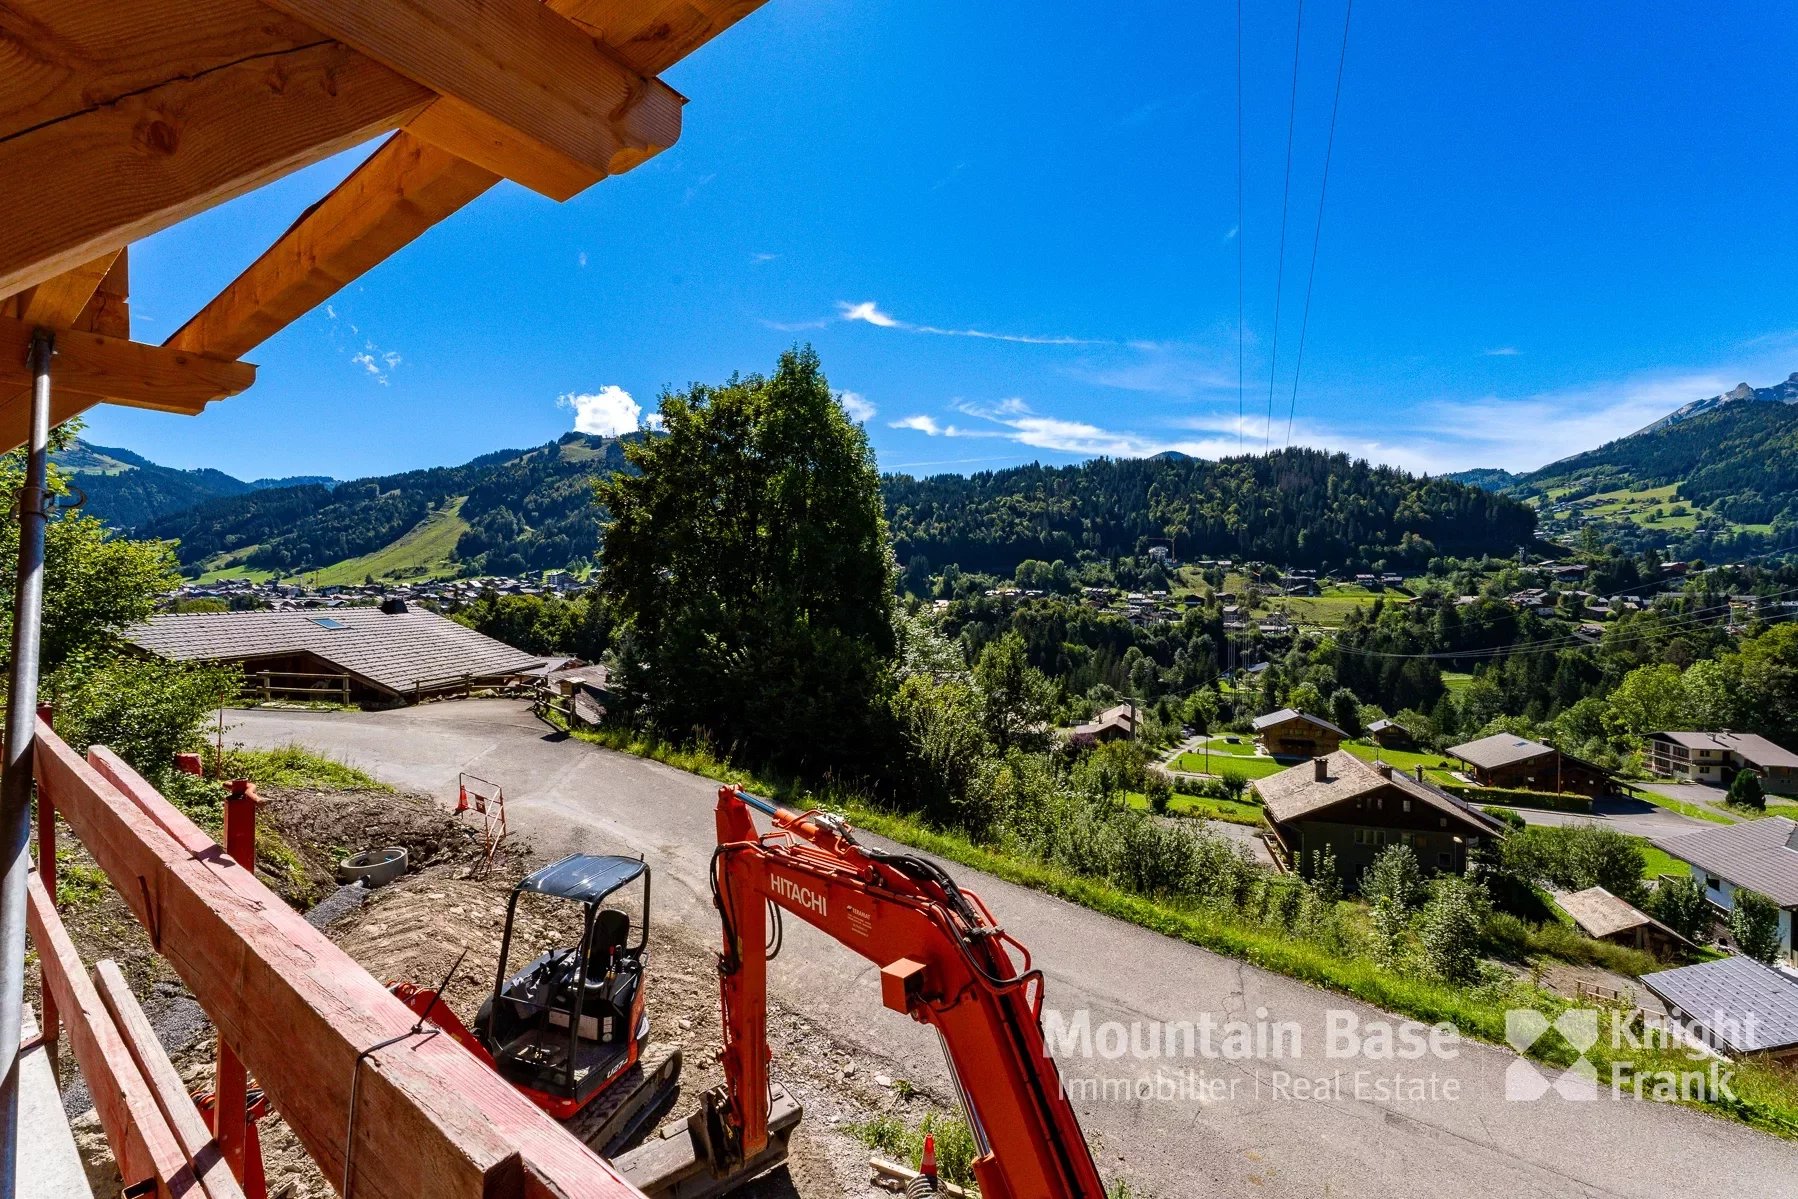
125, 490
501, 513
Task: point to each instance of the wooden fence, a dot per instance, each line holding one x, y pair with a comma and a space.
278, 684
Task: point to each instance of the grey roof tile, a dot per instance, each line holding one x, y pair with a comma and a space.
396, 651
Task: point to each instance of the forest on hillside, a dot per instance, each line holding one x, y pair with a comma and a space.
1740, 460
1300, 507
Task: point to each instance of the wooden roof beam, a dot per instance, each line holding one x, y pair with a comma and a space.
59, 301
408, 185
524, 92
397, 193
96, 179
123, 372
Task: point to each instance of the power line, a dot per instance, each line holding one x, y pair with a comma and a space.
1317, 234
1240, 233
1292, 111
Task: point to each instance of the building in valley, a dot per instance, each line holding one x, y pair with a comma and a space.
1717, 758
1293, 734
1510, 762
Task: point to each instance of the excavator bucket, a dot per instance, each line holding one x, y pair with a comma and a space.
688, 1159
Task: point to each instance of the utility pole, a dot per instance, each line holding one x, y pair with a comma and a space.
21, 740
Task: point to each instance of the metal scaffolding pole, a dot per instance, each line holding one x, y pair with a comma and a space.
21, 734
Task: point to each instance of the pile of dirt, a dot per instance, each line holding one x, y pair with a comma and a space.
303, 833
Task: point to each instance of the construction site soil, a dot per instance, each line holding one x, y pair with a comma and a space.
416, 927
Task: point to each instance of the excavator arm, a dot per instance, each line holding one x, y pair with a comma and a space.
943, 960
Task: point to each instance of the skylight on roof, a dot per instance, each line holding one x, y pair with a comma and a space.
325, 622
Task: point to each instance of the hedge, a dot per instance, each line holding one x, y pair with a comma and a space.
1547, 800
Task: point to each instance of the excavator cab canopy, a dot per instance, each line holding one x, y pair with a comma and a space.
585, 877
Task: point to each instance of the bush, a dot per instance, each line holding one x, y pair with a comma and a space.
1679, 903
1506, 817
1396, 877
1745, 791
1234, 784
1576, 858
1159, 791
145, 710
1451, 925
1754, 923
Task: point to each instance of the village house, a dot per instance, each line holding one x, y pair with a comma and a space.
1755, 855
1291, 734
1113, 724
1390, 734
354, 655
1717, 758
1507, 761
1356, 809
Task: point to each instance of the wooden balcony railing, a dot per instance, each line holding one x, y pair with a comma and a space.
411, 1113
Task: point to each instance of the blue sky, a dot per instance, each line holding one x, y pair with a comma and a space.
1012, 233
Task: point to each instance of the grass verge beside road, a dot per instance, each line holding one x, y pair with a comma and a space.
1765, 1097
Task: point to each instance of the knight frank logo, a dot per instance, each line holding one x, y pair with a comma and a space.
1524, 1080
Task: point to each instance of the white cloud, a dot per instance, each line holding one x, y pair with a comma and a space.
608, 412
871, 313
1502, 352
1232, 234
857, 406
762, 256
795, 326
654, 423
867, 311
582, 259
918, 424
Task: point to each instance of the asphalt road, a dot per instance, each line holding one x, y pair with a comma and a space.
1637, 817
1254, 1127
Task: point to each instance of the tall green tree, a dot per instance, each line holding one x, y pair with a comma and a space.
746, 559
1745, 791
1018, 700
1754, 923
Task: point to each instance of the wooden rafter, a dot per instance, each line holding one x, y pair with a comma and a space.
179, 110
124, 372
408, 185
59, 301
397, 193
524, 91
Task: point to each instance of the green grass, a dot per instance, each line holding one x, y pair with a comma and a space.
1246, 767
426, 550
292, 766
1656, 862
1230, 811
1695, 811
1433, 764
1456, 681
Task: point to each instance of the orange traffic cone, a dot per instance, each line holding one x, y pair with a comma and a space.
927, 1166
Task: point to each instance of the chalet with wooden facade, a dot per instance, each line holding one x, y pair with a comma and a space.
1513, 763
1390, 734
1356, 809
1113, 724
1293, 734
1717, 758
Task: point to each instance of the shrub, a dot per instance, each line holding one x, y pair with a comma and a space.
1451, 925
1395, 876
1754, 923
1234, 784
1159, 791
1576, 858
1745, 791
1679, 903
1506, 816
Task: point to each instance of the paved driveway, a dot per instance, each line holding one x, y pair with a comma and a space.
1637, 817
1297, 1125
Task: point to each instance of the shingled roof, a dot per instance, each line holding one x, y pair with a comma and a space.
1298, 792
1601, 914
1286, 714
1500, 749
396, 652
1741, 1005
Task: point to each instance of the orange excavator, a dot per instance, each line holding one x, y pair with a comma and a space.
944, 961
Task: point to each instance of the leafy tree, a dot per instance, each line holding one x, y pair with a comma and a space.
1745, 791
1395, 878
1649, 698
1018, 700
939, 718
1158, 789
1450, 927
144, 709
1679, 903
746, 558
1345, 711
1754, 923
1575, 858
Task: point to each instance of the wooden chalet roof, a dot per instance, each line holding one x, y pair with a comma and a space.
120, 118
1297, 792
1500, 749
1284, 715
395, 651
1601, 914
